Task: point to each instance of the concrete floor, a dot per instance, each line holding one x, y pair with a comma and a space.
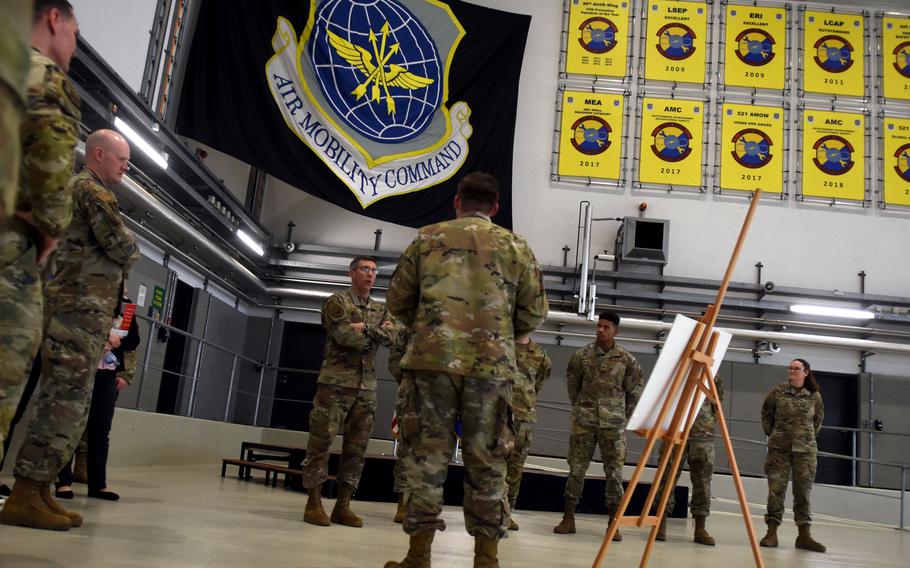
188, 516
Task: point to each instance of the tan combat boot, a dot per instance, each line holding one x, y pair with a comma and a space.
402, 510
770, 539
662, 529
486, 550
567, 524
513, 526
806, 542
314, 513
701, 533
617, 537
25, 508
75, 518
418, 552
80, 467
342, 513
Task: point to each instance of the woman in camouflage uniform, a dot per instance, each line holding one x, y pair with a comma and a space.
792, 416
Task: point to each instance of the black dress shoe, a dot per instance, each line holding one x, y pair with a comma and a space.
106, 495
64, 494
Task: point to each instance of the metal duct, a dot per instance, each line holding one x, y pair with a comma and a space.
752, 334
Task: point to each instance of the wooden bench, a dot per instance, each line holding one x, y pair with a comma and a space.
271, 470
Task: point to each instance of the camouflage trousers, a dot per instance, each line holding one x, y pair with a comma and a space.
11, 114
351, 410
523, 437
434, 401
582, 443
20, 319
778, 467
699, 454
73, 342
401, 480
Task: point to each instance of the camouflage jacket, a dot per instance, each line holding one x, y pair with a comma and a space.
604, 387
466, 288
533, 369
396, 351
349, 359
49, 135
792, 418
703, 427
95, 254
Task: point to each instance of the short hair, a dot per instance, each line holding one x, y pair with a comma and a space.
609, 316
357, 260
478, 191
44, 6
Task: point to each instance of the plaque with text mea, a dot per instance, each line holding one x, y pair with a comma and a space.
675, 41
597, 42
833, 54
591, 135
755, 52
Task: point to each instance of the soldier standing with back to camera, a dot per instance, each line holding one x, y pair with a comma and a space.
92, 265
355, 326
36, 208
533, 369
604, 382
466, 289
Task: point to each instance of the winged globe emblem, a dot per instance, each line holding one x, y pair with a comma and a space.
378, 76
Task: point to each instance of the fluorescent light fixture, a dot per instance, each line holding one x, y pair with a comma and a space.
250, 242
831, 312
139, 141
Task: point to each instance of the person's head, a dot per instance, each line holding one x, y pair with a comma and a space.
478, 192
54, 30
607, 328
363, 274
799, 373
107, 153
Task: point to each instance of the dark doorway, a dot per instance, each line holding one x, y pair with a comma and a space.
174, 353
302, 347
841, 409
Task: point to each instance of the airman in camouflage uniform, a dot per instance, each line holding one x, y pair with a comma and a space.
355, 326
792, 417
466, 289
533, 369
604, 382
92, 263
36, 213
699, 453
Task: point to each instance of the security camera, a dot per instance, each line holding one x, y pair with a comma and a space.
288, 247
769, 286
775, 347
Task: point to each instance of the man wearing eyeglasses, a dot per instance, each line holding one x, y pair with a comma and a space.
355, 326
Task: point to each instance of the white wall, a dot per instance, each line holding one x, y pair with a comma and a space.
119, 31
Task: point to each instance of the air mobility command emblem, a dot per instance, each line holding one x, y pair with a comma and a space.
365, 87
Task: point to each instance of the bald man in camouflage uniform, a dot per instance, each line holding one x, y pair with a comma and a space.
533, 369
604, 383
92, 264
355, 326
699, 454
466, 289
35, 214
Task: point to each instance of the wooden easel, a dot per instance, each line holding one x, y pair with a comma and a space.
692, 373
